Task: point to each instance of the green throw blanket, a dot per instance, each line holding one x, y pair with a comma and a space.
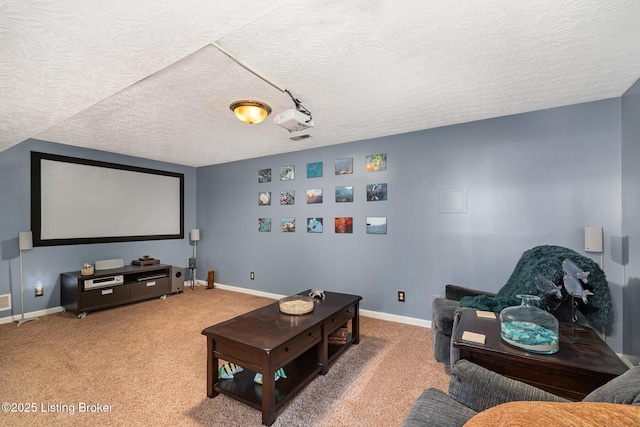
547, 260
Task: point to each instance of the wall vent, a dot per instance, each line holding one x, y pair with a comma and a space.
5, 302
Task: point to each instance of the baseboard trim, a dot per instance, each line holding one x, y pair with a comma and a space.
367, 313
396, 318
31, 314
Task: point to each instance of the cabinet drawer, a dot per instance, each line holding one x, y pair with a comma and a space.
340, 318
288, 350
104, 297
311, 336
151, 288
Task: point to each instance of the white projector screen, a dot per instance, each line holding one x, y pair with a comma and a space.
77, 201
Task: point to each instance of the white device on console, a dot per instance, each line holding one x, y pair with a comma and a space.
108, 264
294, 120
104, 282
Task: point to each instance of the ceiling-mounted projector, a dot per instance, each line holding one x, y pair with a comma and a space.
294, 120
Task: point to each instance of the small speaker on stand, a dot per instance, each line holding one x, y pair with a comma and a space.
620, 249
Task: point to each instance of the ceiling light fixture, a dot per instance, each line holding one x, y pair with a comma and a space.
293, 120
250, 111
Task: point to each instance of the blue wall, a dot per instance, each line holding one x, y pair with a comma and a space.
630, 209
44, 264
531, 179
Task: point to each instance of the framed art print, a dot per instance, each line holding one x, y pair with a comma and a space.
288, 225
344, 224
264, 225
344, 166
376, 162
264, 175
376, 192
344, 194
287, 173
288, 197
314, 195
314, 170
376, 225
314, 225
264, 198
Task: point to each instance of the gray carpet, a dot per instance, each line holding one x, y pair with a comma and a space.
146, 361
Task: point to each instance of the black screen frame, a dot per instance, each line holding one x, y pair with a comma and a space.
36, 201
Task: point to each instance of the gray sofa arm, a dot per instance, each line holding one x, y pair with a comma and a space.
434, 408
478, 388
455, 292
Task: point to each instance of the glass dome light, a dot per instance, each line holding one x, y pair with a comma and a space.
250, 111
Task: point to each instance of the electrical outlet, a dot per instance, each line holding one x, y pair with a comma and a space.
253, 275
401, 296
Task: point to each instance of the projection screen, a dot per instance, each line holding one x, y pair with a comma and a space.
78, 201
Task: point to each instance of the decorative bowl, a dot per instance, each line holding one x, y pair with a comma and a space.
296, 305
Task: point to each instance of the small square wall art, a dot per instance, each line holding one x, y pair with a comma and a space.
344, 224
376, 192
288, 225
287, 173
264, 175
314, 195
264, 198
344, 194
264, 224
376, 162
314, 225
288, 197
314, 170
344, 166
376, 225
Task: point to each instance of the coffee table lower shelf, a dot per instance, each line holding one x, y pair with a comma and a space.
299, 372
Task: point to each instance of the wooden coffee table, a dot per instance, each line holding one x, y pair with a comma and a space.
265, 340
573, 372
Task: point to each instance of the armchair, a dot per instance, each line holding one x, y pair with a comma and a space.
443, 317
477, 395
546, 260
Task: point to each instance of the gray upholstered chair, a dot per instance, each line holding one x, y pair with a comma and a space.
546, 260
443, 317
474, 389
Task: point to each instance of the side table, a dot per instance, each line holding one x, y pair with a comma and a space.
573, 372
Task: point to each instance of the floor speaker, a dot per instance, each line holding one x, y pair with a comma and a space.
177, 279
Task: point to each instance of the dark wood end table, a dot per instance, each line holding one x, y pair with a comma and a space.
265, 340
573, 372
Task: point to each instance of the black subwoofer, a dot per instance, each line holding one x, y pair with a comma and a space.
177, 279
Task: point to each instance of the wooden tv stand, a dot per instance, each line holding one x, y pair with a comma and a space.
140, 283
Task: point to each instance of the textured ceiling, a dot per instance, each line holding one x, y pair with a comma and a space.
144, 79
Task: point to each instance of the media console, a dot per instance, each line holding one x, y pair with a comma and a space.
113, 287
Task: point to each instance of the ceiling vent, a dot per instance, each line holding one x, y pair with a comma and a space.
299, 137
